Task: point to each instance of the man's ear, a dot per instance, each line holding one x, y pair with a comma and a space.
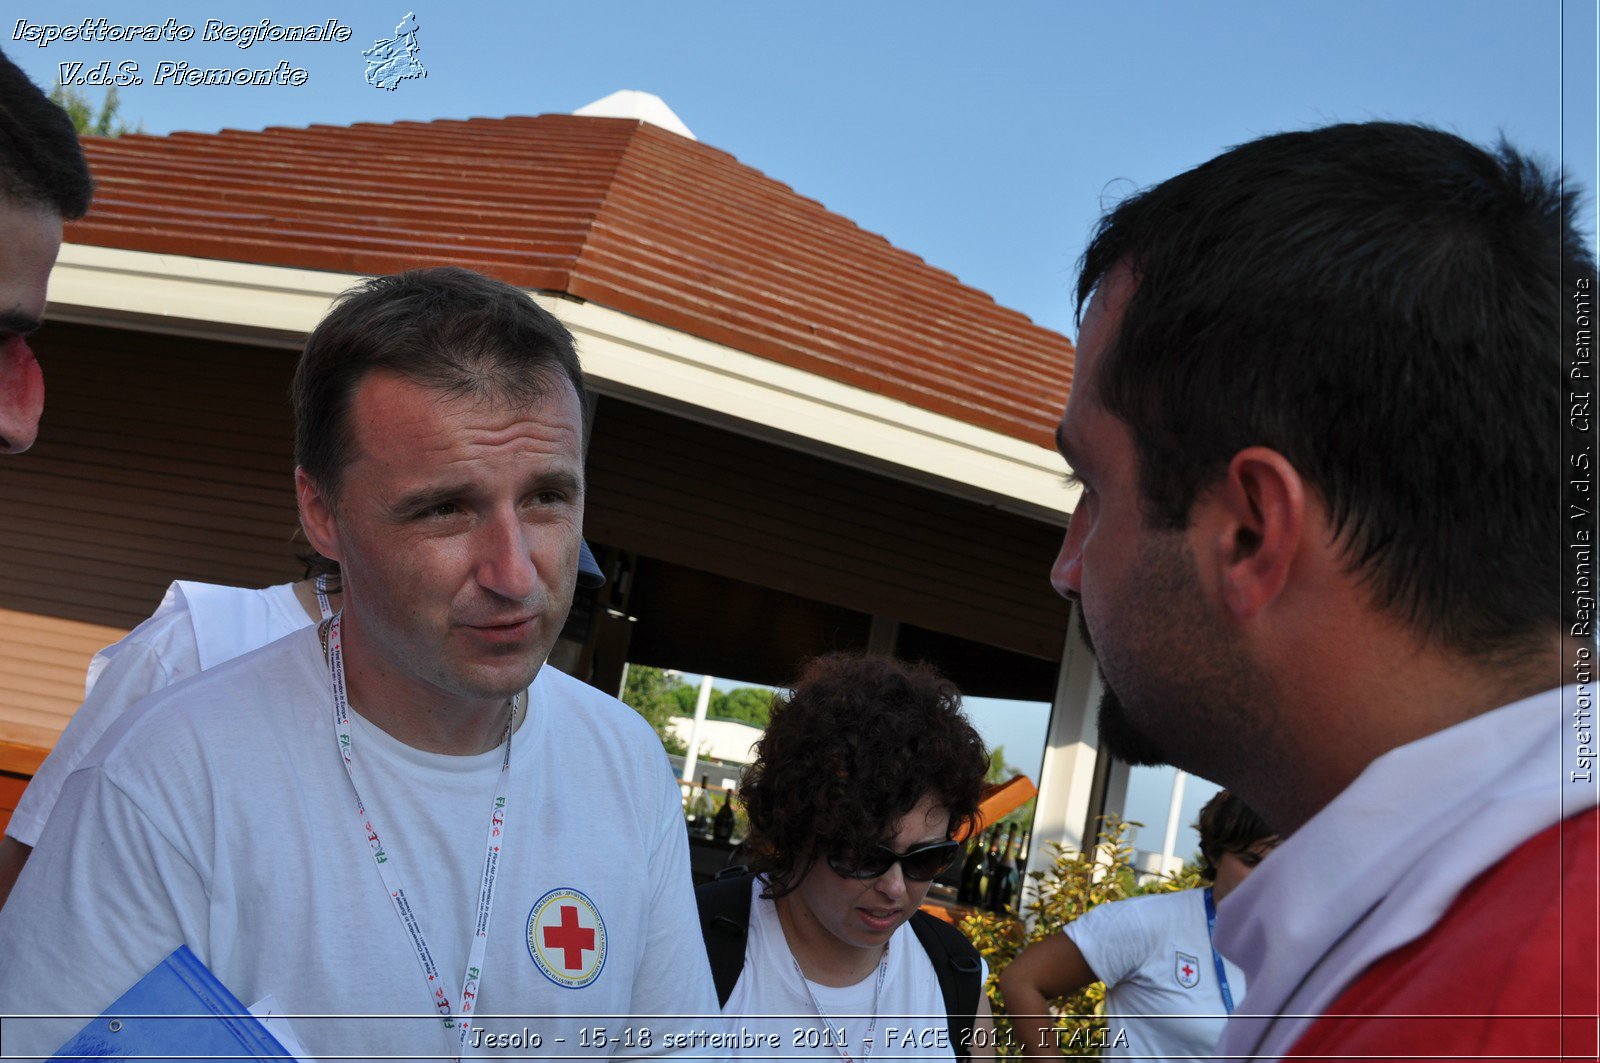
316, 516
1258, 519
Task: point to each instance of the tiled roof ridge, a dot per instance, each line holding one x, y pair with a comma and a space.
612, 210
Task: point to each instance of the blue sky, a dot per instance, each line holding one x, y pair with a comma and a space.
985, 139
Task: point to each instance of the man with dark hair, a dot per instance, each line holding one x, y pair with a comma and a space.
338, 819
43, 179
1317, 418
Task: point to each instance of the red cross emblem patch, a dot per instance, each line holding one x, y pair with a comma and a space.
1186, 969
567, 938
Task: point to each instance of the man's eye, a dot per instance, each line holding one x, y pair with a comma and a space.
442, 509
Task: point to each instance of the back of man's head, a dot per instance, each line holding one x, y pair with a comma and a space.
1382, 304
450, 329
41, 163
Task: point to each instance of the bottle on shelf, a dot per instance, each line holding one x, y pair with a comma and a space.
991, 870
971, 869
722, 824
1006, 880
700, 810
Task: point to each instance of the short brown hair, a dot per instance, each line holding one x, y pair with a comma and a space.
1227, 825
41, 161
445, 328
851, 749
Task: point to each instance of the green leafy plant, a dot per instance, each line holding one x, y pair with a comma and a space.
106, 123
653, 693
1074, 883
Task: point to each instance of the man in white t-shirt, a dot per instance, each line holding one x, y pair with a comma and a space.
397, 819
1168, 991
196, 626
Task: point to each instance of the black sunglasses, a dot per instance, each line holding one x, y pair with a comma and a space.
918, 865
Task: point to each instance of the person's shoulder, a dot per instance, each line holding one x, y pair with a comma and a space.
1522, 929
231, 621
199, 597
597, 709
166, 635
208, 710
1150, 918
1146, 907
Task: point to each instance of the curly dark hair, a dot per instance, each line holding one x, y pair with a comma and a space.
854, 746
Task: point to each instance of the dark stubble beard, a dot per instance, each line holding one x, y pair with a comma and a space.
1119, 734
1186, 692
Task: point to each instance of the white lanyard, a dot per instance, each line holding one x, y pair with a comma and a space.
323, 604
833, 1031
461, 1019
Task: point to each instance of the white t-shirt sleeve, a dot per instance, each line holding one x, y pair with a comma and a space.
1114, 938
137, 669
675, 977
102, 901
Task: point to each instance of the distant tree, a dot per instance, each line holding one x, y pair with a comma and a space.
82, 112
999, 770
684, 697
654, 694
752, 705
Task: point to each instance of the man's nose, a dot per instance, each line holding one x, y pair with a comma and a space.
1066, 575
505, 560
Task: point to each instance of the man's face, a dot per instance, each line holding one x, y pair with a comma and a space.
30, 238
457, 527
1178, 687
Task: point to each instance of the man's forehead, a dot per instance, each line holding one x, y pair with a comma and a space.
1101, 321
394, 416
543, 396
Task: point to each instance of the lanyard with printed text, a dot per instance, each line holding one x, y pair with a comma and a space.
323, 605
1222, 975
833, 1031
461, 1018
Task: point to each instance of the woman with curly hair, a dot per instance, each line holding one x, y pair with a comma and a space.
864, 776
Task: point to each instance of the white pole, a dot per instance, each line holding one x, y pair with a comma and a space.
701, 703
1174, 812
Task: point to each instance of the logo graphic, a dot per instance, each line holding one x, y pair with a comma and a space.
393, 61
1186, 969
567, 938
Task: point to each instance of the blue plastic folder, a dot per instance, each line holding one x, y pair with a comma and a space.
178, 1010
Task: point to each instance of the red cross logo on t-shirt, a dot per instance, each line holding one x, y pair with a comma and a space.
1186, 970
567, 937
572, 939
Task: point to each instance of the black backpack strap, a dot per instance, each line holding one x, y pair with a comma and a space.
958, 967
724, 923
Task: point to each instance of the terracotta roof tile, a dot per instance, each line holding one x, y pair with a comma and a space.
611, 210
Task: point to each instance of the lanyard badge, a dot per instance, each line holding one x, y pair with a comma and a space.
457, 1018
